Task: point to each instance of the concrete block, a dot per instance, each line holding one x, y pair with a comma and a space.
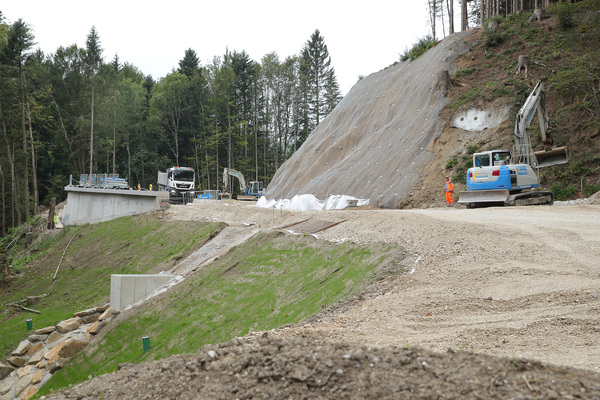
126, 290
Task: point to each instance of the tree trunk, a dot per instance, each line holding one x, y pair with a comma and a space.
265, 158
482, 10
15, 187
25, 150
450, 5
442, 18
3, 228
36, 196
128, 163
433, 17
217, 153
255, 127
444, 82
464, 15
11, 161
114, 162
229, 141
92, 136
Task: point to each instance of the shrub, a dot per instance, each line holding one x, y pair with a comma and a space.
418, 48
591, 189
565, 14
464, 71
497, 89
472, 148
451, 162
496, 37
460, 172
493, 39
465, 98
561, 192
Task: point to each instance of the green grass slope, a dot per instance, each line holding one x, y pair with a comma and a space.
127, 245
271, 280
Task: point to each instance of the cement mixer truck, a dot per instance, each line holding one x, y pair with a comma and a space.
180, 182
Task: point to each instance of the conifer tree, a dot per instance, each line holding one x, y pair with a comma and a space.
316, 71
189, 64
93, 61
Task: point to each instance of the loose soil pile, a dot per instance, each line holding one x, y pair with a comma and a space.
264, 368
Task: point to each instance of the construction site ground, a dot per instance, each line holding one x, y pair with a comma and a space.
518, 283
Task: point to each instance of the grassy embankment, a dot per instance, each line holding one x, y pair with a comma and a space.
271, 280
123, 246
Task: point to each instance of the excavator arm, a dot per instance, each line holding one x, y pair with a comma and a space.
231, 172
536, 102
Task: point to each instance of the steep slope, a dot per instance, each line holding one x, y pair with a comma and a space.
375, 141
394, 137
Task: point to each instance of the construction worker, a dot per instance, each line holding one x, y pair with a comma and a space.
150, 187
449, 191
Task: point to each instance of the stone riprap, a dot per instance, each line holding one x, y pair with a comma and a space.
47, 350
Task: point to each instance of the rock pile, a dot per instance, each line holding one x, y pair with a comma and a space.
47, 350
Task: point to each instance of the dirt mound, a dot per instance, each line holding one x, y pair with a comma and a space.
295, 369
377, 138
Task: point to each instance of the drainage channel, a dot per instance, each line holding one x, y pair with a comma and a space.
310, 226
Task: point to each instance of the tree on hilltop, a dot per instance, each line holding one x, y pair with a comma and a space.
319, 81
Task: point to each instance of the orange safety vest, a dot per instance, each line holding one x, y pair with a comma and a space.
449, 191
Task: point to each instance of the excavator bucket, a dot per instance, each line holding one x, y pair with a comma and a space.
483, 196
554, 156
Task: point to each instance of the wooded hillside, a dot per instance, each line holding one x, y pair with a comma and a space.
74, 112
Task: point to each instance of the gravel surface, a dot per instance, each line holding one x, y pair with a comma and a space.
495, 303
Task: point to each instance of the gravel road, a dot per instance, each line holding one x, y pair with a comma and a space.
513, 281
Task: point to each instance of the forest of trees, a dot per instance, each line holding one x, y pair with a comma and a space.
473, 12
73, 112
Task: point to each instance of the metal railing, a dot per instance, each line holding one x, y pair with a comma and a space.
99, 181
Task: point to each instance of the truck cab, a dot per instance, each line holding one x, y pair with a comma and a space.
180, 182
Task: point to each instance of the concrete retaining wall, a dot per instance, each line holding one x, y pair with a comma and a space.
126, 290
98, 205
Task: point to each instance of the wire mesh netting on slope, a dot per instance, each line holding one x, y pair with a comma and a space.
374, 142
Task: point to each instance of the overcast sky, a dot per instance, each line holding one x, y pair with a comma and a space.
363, 37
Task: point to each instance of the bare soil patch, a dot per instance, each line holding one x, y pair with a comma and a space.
298, 369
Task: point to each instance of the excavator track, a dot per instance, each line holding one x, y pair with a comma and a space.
500, 198
531, 199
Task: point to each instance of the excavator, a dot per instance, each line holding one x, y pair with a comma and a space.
250, 192
499, 178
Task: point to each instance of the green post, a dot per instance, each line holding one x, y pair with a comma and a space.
146, 343
29, 324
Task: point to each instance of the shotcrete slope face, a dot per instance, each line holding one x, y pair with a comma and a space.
374, 142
